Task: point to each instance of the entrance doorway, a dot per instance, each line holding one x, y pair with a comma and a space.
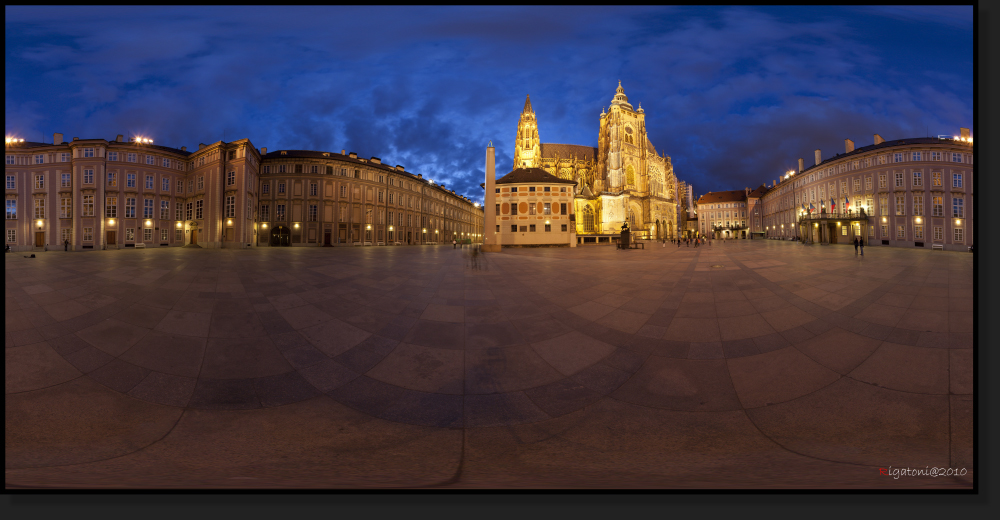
327, 237
39, 239
281, 236
194, 237
342, 233
111, 238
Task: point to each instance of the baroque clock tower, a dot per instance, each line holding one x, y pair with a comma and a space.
527, 150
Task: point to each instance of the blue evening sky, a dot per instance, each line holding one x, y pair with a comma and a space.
734, 95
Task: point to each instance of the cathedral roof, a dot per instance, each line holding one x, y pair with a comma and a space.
550, 150
620, 97
527, 106
523, 175
723, 196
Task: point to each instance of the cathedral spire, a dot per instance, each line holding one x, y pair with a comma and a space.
527, 106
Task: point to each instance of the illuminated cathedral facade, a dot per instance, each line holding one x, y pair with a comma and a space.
623, 179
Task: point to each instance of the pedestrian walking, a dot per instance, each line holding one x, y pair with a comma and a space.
855, 246
861, 242
454, 244
66, 244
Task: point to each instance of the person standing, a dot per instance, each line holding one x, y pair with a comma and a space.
861, 242
454, 244
855, 246
66, 244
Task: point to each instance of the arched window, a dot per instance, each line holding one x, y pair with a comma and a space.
588, 219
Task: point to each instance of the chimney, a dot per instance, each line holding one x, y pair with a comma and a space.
376, 160
848, 146
76, 138
801, 165
878, 139
184, 148
352, 155
343, 152
420, 176
775, 183
819, 156
263, 151
201, 145
119, 138
965, 133
399, 167
58, 139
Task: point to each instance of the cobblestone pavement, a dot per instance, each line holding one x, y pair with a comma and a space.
758, 364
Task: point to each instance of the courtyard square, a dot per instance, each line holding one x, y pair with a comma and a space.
750, 364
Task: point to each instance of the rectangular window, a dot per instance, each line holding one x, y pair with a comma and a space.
11, 209
190, 210
149, 182
562, 208
164, 210
956, 157
88, 205
314, 169
265, 188
312, 212
563, 227
513, 228
883, 204
165, 184
898, 157
959, 235
11, 236
279, 212
267, 169
900, 232
147, 235
88, 152
111, 207
918, 179
281, 168
65, 207
957, 207
938, 233
178, 211
199, 205
10, 160
166, 164
547, 210
191, 186
265, 212
548, 227
131, 157
149, 159
129, 180
298, 168
343, 191
39, 208
88, 234
201, 182
937, 206
868, 183
918, 232
230, 207
916, 156
956, 180
314, 190
163, 235
935, 179
65, 180
881, 180
39, 182
179, 235
112, 156
857, 185
899, 179
147, 208
232, 155
918, 204
130, 207
935, 156
871, 231
281, 187
843, 230
531, 208
231, 178
513, 208
513, 190
130, 234
11, 182
900, 205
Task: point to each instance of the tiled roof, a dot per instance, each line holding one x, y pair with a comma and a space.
759, 192
884, 144
566, 151
522, 175
722, 196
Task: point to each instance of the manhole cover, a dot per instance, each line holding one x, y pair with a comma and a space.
718, 266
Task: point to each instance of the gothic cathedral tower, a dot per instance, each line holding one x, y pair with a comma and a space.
527, 151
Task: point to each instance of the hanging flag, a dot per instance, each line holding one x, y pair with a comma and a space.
847, 202
811, 207
833, 205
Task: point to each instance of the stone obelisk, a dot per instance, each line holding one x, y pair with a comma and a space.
491, 240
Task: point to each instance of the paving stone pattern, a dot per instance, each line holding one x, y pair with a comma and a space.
407, 367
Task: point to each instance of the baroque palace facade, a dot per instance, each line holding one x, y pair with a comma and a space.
100, 194
915, 192
622, 179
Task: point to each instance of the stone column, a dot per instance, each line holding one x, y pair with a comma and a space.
491, 242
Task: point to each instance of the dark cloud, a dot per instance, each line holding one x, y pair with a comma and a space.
735, 95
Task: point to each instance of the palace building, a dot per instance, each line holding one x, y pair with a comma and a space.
622, 179
100, 194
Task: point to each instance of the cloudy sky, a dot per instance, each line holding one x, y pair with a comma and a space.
734, 95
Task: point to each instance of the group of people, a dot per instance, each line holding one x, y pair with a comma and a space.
859, 242
688, 241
